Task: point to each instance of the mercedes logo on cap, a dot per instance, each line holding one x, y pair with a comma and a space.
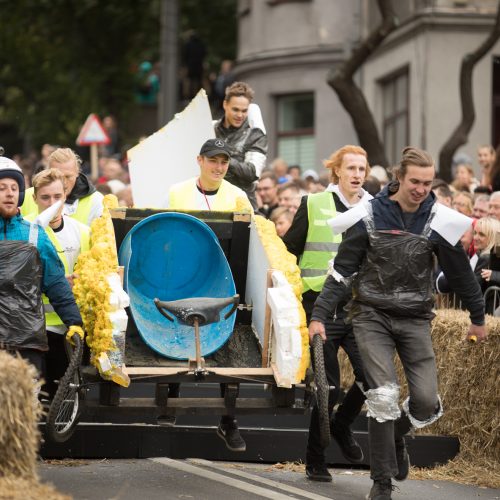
219, 143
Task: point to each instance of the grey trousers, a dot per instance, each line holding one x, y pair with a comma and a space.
378, 336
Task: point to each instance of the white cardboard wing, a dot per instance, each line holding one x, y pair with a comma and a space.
48, 214
169, 155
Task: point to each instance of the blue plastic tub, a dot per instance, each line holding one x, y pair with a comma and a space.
174, 256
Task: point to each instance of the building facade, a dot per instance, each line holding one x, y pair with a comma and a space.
286, 49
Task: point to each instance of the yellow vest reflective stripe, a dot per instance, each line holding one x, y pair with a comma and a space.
183, 196
321, 244
29, 206
83, 209
51, 317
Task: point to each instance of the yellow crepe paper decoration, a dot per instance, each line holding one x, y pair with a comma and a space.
92, 290
280, 259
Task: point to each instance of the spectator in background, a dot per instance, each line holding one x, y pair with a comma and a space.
193, 56
311, 178
45, 152
494, 205
111, 127
282, 218
464, 178
485, 157
125, 197
381, 174
280, 168
484, 237
372, 185
267, 191
294, 172
248, 144
443, 192
113, 174
463, 203
289, 195
481, 205
224, 79
147, 84
494, 172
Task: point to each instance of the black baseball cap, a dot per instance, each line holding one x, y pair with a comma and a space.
214, 147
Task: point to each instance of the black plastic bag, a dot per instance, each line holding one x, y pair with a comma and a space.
22, 319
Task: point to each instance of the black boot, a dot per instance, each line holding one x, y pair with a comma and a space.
344, 437
381, 490
340, 427
401, 427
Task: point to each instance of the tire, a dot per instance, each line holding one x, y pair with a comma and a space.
322, 391
65, 408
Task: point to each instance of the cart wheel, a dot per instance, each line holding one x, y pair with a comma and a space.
322, 391
65, 408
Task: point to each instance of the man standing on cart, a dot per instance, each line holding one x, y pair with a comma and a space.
247, 142
312, 241
386, 259
209, 191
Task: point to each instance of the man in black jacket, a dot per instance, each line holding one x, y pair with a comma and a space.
386, 258
311, 240
249, 144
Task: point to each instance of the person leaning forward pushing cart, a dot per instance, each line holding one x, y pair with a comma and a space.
386, 256
209, 191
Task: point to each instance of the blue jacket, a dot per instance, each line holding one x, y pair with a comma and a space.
387, 215
54, 282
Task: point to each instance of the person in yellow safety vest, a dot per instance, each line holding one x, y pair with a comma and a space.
210, 191
69, 238
83, 202
312, 241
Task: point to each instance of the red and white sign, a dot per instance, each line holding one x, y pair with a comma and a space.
92, 132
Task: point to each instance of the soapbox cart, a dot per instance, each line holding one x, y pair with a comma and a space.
199, 286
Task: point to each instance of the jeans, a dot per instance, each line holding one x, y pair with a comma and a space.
338, 335
378, 335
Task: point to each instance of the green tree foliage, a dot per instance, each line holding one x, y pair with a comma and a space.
62, 59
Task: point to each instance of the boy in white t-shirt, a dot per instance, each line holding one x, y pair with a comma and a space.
69, 238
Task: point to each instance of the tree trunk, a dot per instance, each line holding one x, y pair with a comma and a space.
351, 96
460, 135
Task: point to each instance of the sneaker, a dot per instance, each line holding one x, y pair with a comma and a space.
381, 490
403, 460
318, 472
230, 434
349, 447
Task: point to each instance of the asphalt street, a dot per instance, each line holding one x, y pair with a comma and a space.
165, 478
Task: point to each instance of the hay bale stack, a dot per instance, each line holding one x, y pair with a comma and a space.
468, 384
19, 435
19, 414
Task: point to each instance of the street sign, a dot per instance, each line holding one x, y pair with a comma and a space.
92, 132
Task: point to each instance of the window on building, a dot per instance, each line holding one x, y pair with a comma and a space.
395, 96
295, 135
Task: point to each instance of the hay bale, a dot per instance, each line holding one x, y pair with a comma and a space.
19, 435
468, 384
19, 416
15, 488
